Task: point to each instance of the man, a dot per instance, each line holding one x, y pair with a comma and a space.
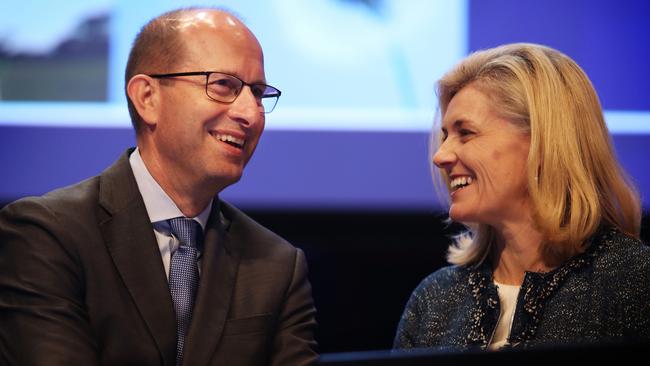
143, 264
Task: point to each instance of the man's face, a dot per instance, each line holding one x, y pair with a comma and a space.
202, 141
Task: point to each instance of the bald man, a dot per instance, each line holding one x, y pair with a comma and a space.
144, 264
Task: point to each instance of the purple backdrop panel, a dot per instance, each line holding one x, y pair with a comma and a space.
290, 170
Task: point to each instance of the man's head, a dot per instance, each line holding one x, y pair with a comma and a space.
182, 131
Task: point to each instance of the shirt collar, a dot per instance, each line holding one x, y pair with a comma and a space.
159, 205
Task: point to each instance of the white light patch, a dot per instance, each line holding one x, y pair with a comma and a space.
86, 114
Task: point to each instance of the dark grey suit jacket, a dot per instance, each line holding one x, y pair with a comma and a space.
82, 283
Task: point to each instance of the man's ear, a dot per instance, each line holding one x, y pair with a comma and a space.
144, 93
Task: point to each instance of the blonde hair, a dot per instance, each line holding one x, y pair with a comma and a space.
574, 180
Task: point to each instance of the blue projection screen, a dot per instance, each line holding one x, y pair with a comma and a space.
351, 128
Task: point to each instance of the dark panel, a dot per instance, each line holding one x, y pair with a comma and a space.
364, 265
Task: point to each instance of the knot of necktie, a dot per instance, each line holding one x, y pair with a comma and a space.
186, 230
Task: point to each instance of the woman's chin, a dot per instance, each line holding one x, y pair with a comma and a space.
458, 215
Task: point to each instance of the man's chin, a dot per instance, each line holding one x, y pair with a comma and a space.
221, 178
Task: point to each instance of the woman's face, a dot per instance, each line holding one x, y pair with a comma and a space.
485, 158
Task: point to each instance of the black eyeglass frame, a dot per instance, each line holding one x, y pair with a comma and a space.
207, 79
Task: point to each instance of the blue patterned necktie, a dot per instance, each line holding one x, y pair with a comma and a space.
184, 277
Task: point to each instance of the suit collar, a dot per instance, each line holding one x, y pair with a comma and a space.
131, 243
219, 267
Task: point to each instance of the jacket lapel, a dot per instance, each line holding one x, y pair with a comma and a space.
218, 273
130, 240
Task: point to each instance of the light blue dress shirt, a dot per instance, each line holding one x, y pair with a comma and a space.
161, 208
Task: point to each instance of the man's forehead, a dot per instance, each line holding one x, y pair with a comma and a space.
214, 40
201, 25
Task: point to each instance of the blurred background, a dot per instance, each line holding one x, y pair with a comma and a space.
342, 170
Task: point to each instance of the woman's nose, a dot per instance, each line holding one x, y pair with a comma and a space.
444, 156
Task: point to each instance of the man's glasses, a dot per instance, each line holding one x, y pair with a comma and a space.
225, 88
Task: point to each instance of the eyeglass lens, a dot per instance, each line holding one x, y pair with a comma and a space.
226, 88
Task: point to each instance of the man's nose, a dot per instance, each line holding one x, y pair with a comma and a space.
246, 108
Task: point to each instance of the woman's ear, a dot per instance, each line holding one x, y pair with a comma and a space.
143, 92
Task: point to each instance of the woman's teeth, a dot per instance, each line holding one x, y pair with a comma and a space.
460, 182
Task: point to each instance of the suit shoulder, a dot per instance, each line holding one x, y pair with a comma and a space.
57, 222
623, 256
443, 280
73, 200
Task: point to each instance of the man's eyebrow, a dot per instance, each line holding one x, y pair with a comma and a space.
235, 73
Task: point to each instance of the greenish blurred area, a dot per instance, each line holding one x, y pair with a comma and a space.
53, 79
75, 69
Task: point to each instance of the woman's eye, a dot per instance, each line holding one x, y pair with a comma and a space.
443, 135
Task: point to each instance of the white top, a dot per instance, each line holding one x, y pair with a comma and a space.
508, 302
161, 208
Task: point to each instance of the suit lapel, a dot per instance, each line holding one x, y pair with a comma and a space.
131, 243
218, 274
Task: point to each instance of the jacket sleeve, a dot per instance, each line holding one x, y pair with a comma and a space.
42, 312
408, 328
294, 342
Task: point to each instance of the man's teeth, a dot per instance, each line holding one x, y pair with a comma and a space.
460, 182
231, 139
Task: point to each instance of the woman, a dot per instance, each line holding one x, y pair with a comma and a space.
552, 252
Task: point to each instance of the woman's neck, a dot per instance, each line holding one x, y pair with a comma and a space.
517, 251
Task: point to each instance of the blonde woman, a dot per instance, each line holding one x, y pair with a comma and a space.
552, 252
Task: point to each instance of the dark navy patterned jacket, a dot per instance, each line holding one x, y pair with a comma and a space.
599, 296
